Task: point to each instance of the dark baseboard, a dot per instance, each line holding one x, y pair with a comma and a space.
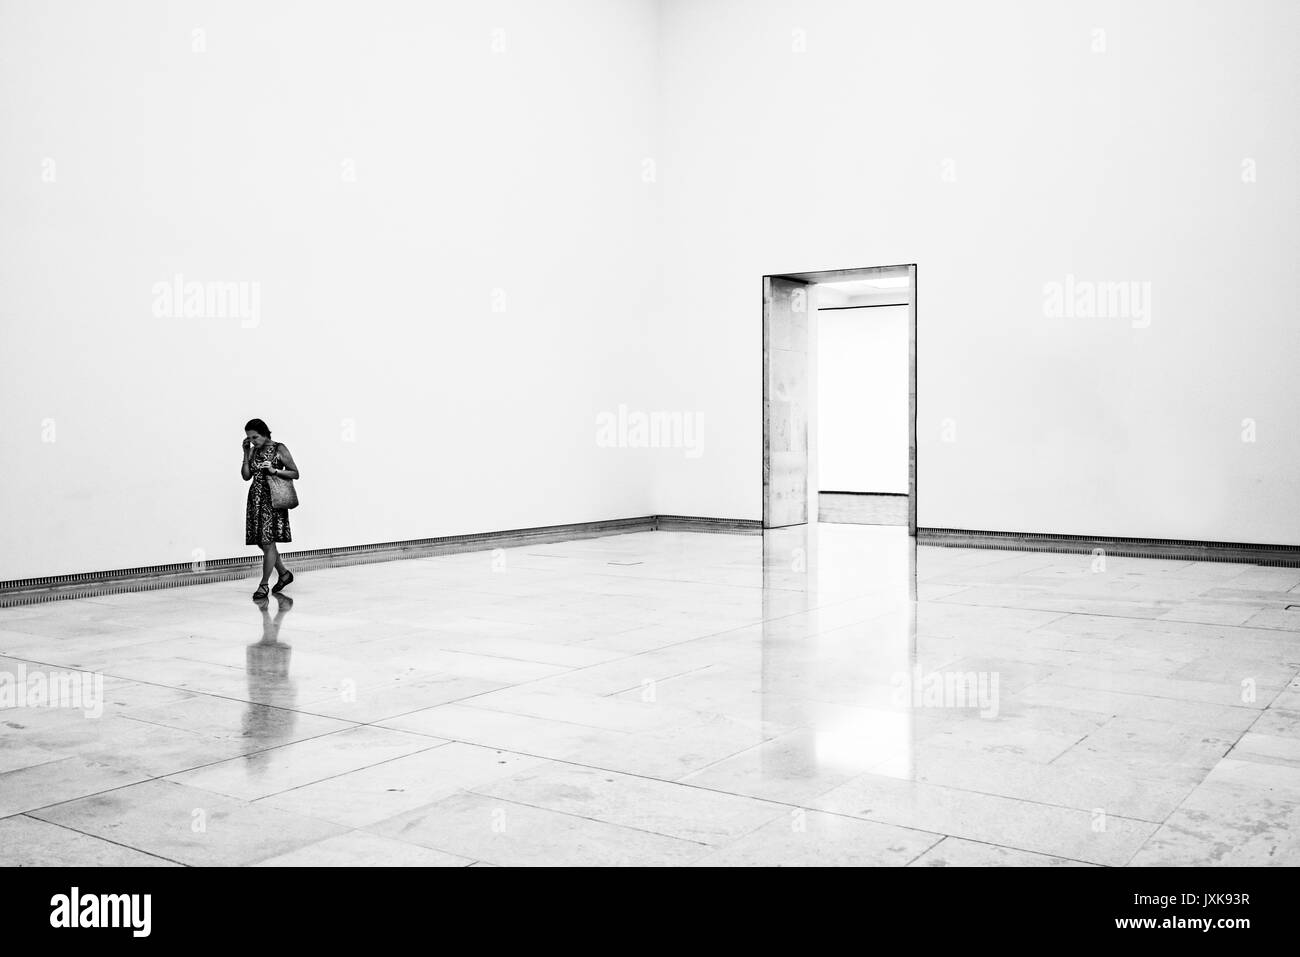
1287, 556
694, 523
865, 494
89, 584
25, 591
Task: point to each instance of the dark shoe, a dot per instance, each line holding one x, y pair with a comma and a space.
285, 579
261, 592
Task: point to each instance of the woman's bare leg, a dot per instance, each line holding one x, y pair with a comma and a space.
269, 559
279, 565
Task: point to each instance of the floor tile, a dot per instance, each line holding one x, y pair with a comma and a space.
670, 698
517, 835
188, 825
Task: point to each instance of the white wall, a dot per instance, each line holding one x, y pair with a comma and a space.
990, 145
976, 140
862, 433
474, 171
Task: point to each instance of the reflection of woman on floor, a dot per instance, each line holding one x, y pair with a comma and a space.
271, 694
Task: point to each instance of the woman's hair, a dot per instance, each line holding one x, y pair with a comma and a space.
258, 426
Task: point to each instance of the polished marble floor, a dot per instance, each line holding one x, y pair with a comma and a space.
666, 698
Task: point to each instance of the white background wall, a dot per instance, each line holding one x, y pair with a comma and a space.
474, 171
977, 140
862, 434
1117, 165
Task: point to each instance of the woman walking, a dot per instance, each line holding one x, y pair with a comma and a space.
264, 525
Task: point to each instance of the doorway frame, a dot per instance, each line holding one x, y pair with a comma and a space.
833, 275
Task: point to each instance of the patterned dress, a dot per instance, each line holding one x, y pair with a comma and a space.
261, 522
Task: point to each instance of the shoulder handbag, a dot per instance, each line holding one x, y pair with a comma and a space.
283, 494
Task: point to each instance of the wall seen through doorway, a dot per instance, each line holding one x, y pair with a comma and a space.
861, 383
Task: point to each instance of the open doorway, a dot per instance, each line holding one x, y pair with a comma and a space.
792, 458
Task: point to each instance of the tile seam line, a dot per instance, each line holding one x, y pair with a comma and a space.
1094, 614
148, 778
205, 694
166, 778
98, 837
1141, 694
